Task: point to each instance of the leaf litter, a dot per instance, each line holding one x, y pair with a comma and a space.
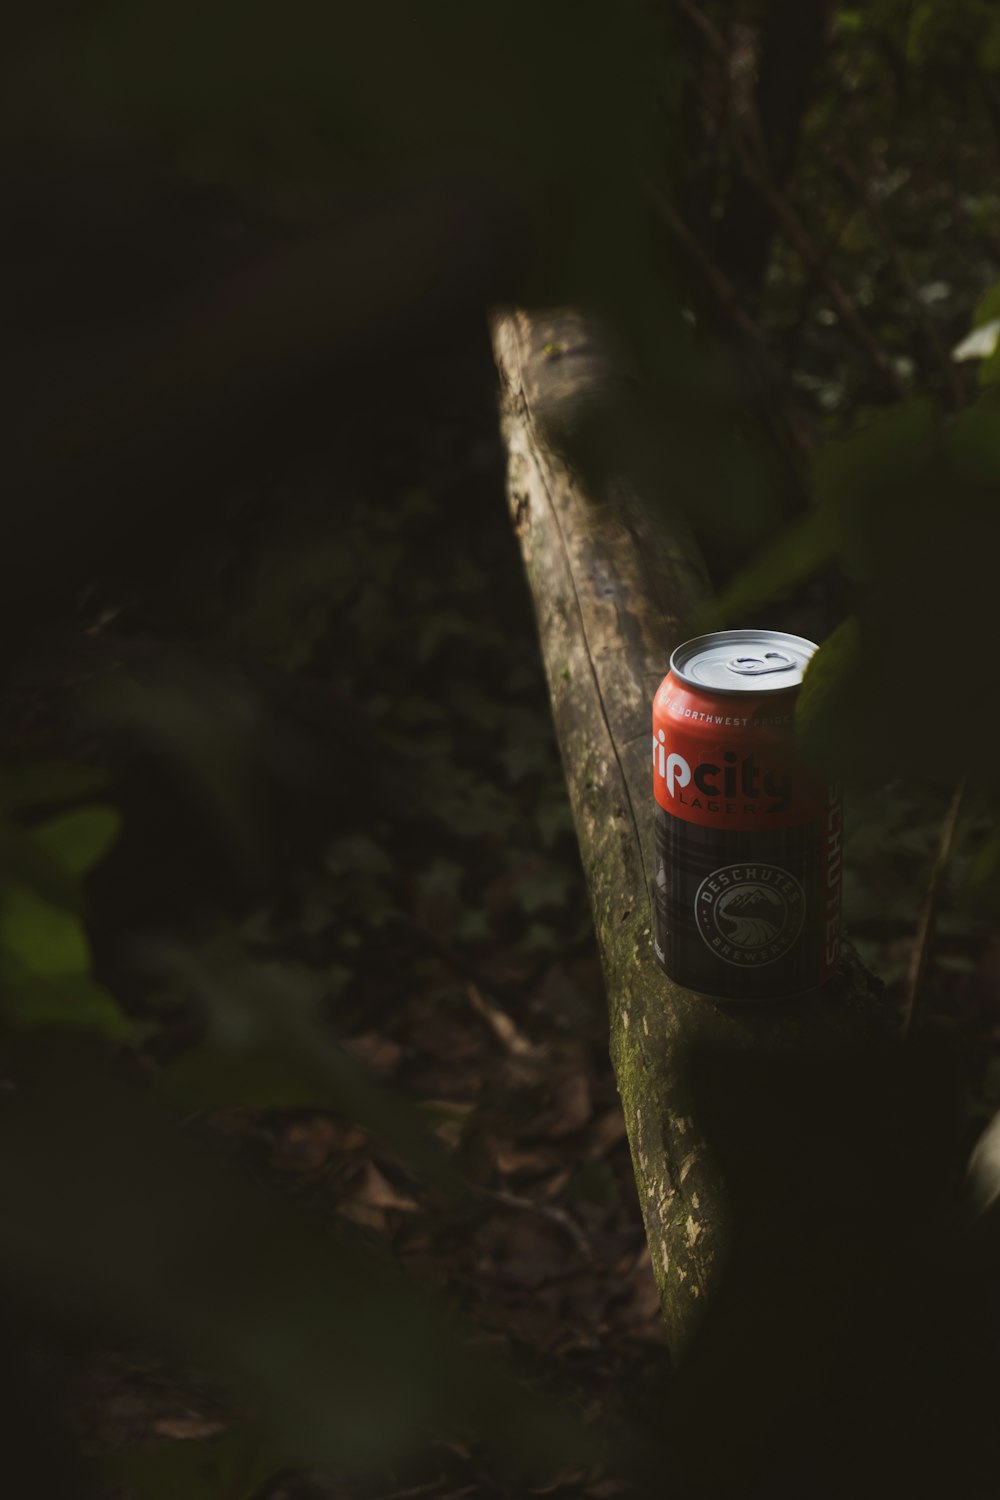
445, 940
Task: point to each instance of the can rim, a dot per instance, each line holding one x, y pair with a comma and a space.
682, 654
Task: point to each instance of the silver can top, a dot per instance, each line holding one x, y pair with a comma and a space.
743, 661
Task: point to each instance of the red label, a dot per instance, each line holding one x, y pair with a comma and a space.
724, 760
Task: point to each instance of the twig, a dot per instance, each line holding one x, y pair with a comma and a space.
798, 235
811, 285
716, 41
925, 923
855, 181
506, 1031
727, 299
557, 1216
722, 288
751, 154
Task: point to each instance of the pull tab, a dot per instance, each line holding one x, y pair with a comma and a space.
756, 666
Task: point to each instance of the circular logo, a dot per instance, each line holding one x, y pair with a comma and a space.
749, 914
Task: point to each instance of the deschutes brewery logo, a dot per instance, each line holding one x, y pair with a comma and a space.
749, 914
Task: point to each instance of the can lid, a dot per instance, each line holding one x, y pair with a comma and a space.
743, 661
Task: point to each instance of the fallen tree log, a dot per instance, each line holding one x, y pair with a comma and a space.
764, 1137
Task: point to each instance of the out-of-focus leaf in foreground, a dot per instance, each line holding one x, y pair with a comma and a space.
266, 1046
826, 689
908, 507
233, 1466
118, 1227
45, 960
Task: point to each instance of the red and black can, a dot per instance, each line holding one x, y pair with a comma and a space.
748, 842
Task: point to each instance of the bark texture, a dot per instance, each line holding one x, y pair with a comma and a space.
750, 1125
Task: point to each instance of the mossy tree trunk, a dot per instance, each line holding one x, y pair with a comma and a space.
763, 1165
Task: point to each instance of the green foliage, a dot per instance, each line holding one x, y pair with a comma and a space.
120, 1228
205, 729
45, 958
983, 341
552, 129
233, 1466
265, 1046
908, 508
830, 679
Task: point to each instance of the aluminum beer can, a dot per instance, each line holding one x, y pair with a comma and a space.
748, 842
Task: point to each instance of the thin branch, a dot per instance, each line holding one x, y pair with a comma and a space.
749, 147
722, 288
925, 924
799, 237
548, 1211
812, 283
709, 31
727, 300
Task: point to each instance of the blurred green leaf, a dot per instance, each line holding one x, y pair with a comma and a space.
474, 927
553, 816
232, 1466
78, 840
24, 862
76, 1003
538, 940
209, 1079
522, 758
441, 880
955, 963
116, 1226
984, 870
27, 783
465, 802
988, 307
206, 728
796, 554
981, 343
39, 939
830, 676
266, 1037
44, 951
550, 888
357, 854
46, 859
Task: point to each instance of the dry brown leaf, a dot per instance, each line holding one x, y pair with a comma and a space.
511, 1158
608, 1130
361, 1213
307, 1145
187, 1427
380, 1053
376, 1191
446, 1119
574, 1106
522, 1250
557, 1183
566, 1477
506, 1031
643, 1310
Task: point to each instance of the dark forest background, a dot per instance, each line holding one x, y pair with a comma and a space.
314, 1179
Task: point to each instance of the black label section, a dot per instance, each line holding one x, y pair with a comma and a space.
740, 914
